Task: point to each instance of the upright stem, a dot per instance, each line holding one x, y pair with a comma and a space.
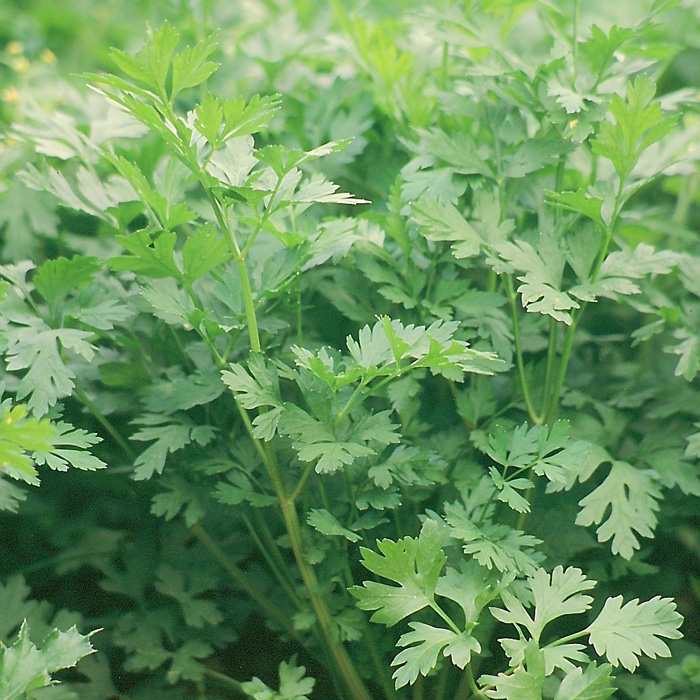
553, 399
574, 48
342, 661
519, 352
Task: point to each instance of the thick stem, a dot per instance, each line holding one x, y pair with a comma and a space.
472, 683
249, 305
342, 661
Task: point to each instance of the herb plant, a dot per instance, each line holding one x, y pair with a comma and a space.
429, 432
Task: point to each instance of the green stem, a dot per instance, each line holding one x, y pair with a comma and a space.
553, 399
569, 638
243, 581
277, 572
224, 226
341, 659
302, 482
350, 403
685, 199
226, 681
574, 48
512, 298
472, 683
445, 617
263, 219
444, 66
249, 305
104, 422
551, 356
269, 540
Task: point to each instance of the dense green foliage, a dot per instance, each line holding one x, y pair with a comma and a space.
350, 352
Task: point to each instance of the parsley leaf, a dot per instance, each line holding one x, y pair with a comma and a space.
631, 496
413, 563
624, 632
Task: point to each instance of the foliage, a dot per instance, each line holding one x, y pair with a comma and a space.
365, 337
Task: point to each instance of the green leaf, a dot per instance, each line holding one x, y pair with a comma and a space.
60, 455
524, 684
294, 684
424, 644
595, 683
25, 216
315, 441
673, 470
192, 67
184, 664
196, 611
442, 221
331, 456
624, 632
204, 251
432, 347
181, 392
37, 348
232, 163
579, 201
627, 502
240, 490
56, 278
555, 595
209, 118
260, 389
169, 437
241, 118
85, 193
149, 257
414, 563
621, 267
20, 436
326, 523
493, 545
23, 666
639, 123
548, 451
542, 276
168, 215
180, 495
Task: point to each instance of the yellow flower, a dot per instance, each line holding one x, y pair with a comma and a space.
48, 56
10, 95
14, 48
20, 64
